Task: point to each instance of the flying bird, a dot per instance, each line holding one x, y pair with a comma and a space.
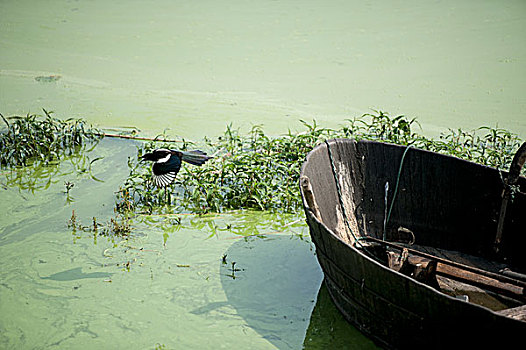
167, 163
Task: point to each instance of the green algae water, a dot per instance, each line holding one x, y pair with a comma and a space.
232, 280
193, 66
240, 280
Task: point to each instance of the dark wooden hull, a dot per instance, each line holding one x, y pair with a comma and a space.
448, 203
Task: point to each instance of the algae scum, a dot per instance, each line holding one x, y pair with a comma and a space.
73, 277
94, 256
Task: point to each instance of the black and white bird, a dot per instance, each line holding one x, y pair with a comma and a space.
167, 163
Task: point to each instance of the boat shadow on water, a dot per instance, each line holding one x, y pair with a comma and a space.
75, 274
274, 285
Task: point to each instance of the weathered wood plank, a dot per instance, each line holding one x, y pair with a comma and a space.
453, 263
308, 195
472, 278
518, 313
513, 176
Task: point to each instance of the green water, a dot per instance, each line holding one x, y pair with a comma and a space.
190, 68
193, 66
172, 283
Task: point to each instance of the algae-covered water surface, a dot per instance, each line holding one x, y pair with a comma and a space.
234, 280
239, 279
193, 66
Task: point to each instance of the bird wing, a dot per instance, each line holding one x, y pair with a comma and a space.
164, 172
164, 180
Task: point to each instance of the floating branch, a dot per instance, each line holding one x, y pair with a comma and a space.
140, 138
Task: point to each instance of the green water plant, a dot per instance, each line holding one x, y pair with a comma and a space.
68, 186
117, 226
254, 170
36, 151
42, 139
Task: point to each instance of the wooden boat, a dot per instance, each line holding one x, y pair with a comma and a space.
418, 248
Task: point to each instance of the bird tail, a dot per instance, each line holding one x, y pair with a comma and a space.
195, 157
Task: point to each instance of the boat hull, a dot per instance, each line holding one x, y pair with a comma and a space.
394, 309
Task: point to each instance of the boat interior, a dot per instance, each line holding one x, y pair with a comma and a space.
455, 226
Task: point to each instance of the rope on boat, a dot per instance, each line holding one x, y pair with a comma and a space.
386, 221
386, 195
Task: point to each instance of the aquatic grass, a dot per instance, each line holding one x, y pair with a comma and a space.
118, 226
42, 139
32, 148
253, 170
485, 145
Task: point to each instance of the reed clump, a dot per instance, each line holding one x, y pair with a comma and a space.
118, 226
256, 171
250, 170
39, 140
